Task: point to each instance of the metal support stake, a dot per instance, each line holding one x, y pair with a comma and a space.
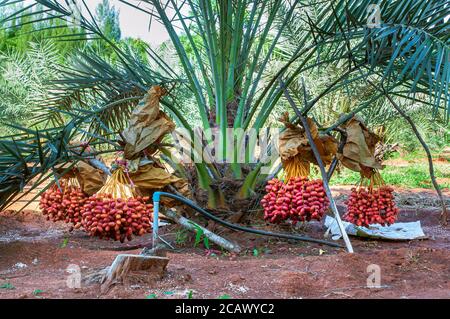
155, 226
322, 168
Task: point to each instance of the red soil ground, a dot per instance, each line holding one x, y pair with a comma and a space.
281, 269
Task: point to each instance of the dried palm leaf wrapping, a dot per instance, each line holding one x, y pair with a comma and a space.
64, 201
296, 153
146, 128
359, 149
91, 179
147, 125
115, 211
153, 177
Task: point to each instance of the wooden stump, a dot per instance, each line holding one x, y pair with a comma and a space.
131, 269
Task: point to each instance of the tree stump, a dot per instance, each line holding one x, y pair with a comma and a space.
131, 269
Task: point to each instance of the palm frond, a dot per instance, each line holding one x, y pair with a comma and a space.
409, 47
28, 155
91, 86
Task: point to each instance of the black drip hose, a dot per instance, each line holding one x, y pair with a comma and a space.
224, 223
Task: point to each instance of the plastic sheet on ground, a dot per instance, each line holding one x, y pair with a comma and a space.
397, 231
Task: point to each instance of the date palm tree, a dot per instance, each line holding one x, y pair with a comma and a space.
232, 55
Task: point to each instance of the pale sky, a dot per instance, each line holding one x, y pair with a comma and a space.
133, 22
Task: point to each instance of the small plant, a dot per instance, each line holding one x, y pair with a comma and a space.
37, 292
258, 251
7, 286
199, 236
213, 253
181, 237
151, 296
189, 294
224, 296
65, 242
413, 258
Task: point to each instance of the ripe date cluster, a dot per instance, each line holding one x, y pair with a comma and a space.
371, 206
99, 215
63, 203
117, 219
300, 199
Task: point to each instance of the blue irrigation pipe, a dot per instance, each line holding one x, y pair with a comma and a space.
156, 199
